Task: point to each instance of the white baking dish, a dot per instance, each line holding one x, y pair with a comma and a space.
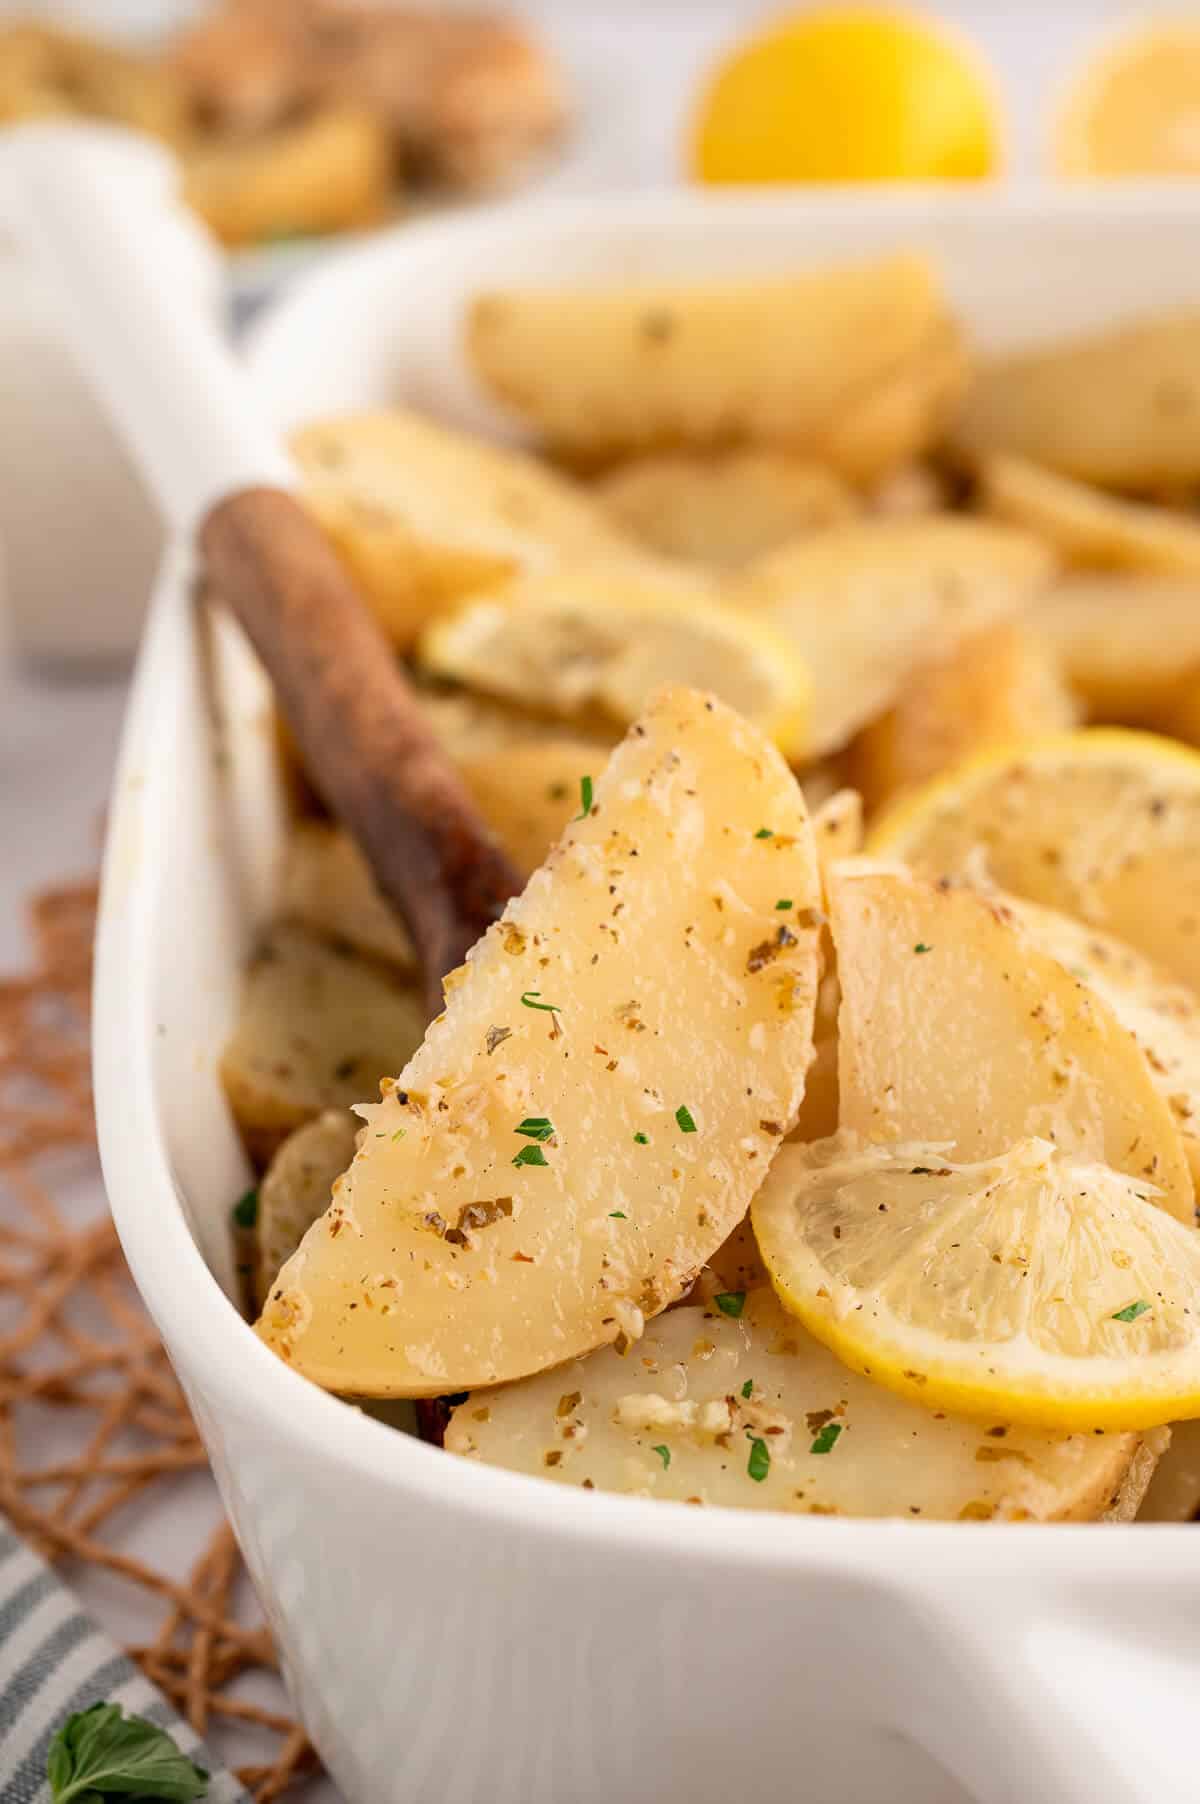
453, 1633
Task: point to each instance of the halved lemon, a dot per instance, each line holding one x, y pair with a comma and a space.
847, 93
1135, 108
1103, 824
1031, 1287
572, 641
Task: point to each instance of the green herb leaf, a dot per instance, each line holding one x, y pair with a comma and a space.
664, 1454
748, 1387
784, 902
617, 1215
551, 1008
760, 1460
683, 1116
102, 1751
922, 947
1131, 1312
536, 1127
585, 798
764, 833
641, 1139
826, 1441
399, 1133
731, 1302
245, 1210
531, 1155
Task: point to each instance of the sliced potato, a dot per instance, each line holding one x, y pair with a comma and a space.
327, 886
586, 637
955, 1028
297, 1188
1125, 642
838, 827
529, 793
866, 604
1173, 1494
724, 509
853, 365
423, 515
474, 727
558, 1160
1121, 407
331, 171
998, 685
317, 1029
1090, 530
750, 1412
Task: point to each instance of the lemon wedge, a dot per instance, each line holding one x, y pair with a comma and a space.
1135, 108
1103, 824
574, 641
847, 93
1032, 1287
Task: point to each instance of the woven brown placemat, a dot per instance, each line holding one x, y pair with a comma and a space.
82, 1368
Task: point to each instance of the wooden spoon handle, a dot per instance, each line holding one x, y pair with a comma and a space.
367, 746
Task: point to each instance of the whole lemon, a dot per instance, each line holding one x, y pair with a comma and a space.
847, 94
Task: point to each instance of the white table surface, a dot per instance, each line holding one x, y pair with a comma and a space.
633, 65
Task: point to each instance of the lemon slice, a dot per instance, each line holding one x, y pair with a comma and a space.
569, 641
1103, 824
1135, 109
1091, 530
1032, 1287
843, 93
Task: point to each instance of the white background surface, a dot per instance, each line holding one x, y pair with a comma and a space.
633, 67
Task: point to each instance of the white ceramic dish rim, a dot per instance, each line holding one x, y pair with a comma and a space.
183, 1294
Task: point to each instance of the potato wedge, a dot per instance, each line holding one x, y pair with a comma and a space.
1121, 407
1173, 1494
297, 1188
998, 685
1090, 530
854, 365
473, 727
725, 509
750, 1412
330, 171
557, 1161
956, 1029
528, 795
865, 604
424, 515
1125, 643
327, 886
317, 1029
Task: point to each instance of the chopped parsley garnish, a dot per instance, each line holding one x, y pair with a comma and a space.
764, 833
536, 1127
617, 1215
529, 1000
784, 902
747, 1387
531, 1155
683, 1116
399, 1133
585, 798
730, 1302
100, 1753
641, 1139
759, 1463
245, 1210
1132, 1312
826, 1441
664, 1454
922, 947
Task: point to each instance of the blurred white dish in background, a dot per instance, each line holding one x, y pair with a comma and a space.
80, 538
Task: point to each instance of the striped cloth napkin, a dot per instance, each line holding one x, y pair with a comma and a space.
55, 1661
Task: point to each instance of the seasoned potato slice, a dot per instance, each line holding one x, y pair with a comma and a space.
1001, 684
750, 1412
955, 1028
558, 1160
854, 365
1120, 408
1090, 530
329, 172
317, 1029
473, 727
1125, 642
866, 604
528, 795
724, 509
423, 515
327, 886
297, 1188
